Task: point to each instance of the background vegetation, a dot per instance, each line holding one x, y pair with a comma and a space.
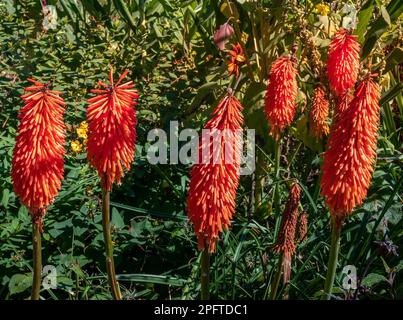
181, 75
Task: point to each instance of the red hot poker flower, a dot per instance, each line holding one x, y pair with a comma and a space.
286, 237
236, 59
214, 181
351, 151
319, 113
280, 95
343, 61
112, 129
37, 165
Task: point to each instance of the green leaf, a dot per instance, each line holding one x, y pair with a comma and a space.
385, 265
5, 198
398, 267
385, 15
364, 17
23, 214
117, 219
19, 283
152, 278
379, 26
203, 91
372, 279
125, 13
391, 93
151, 213
254, 94
393, 59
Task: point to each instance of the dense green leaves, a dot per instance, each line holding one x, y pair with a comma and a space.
169, 50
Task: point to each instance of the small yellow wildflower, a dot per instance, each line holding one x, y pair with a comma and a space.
82, 130
322, 9
84, 124
76, 146
82, 133
244, 37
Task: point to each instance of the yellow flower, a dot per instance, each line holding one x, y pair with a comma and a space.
244, 37
76, 146
322, 9
84, 124
82, 133
82, 130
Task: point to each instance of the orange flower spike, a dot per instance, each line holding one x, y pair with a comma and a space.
281, 94
286, 237
319, 113
37, 165
112, 129
351, 151
343, 61
214, 181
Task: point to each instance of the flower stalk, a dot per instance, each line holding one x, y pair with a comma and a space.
37, 260
276, 282
110, 147
110, 264
205, 274
333, 259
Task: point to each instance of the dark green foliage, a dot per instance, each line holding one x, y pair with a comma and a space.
180, 75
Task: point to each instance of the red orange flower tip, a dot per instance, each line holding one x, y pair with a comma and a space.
37, 165
281, 94
112, 130
348, 161
213, 185
124, 74
343, 61
319, 113
35, 82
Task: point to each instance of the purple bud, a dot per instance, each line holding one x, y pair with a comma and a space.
222, 35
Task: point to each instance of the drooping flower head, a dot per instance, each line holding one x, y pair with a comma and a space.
214, 179
319, 113
281, 94
286, 237
222, 35
302, 227
112, 129
237, 59
37, 165
343, 61
351, 151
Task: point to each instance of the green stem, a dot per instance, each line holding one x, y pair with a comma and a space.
37, 255
277, 155
259, 180
333, 257
110, 265
276, 282
205, 274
